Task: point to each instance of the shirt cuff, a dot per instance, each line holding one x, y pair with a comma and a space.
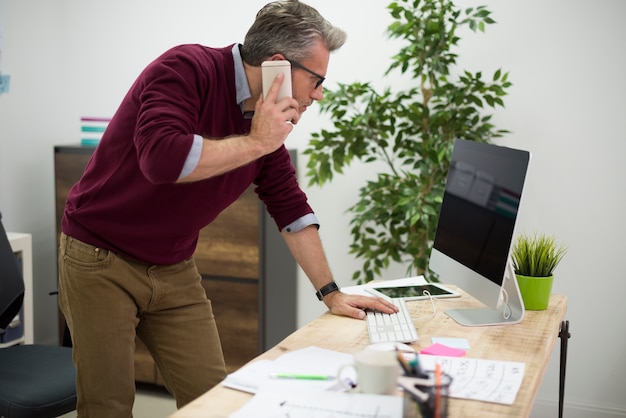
193, 157
301, 223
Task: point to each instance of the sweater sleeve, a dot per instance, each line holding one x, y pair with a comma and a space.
277, 187
169, 100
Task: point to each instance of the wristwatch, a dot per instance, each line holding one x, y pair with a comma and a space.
326, 289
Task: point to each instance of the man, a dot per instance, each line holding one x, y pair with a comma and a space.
191, 135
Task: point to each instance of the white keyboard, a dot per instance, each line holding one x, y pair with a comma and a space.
398, 327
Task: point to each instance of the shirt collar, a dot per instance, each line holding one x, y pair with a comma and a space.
241, 82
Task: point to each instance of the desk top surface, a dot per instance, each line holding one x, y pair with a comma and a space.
530, 341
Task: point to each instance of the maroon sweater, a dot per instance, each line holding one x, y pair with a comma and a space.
127, 200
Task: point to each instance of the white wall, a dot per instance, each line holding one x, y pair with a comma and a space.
71, 58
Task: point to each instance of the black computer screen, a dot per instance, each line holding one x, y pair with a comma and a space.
480, 206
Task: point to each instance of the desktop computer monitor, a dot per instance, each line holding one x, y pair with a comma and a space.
475, 230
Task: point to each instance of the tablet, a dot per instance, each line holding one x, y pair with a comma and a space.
412, 292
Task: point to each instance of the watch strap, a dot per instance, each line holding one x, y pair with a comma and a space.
326, 289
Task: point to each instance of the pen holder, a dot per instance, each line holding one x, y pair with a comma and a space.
425, 399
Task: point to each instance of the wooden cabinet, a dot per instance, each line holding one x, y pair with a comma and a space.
247, 270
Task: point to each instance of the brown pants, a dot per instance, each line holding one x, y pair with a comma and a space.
108, 300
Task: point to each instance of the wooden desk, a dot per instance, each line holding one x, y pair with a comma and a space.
530, 341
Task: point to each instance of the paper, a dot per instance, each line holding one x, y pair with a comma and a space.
268, 403
281, 398
310, 360
461, 343
407, 281
478, 379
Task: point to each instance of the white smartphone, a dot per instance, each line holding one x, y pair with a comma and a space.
269, 70
412, 292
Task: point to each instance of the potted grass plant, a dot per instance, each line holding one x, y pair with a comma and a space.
535, 257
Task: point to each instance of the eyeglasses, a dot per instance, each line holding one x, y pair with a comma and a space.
302, 67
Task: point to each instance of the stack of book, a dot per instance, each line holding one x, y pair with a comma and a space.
91, 130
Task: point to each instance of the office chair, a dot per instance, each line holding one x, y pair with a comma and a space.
36, 381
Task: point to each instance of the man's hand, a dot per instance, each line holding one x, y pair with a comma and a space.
353, 305
273, 121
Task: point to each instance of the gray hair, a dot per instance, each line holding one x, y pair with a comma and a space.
290, 28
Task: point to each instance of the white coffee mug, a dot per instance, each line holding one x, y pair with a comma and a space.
376, 372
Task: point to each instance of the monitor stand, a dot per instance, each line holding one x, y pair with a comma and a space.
509, 311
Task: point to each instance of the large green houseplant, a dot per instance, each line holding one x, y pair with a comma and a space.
534, 259
411, 132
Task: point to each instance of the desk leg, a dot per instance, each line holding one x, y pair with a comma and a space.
564, 335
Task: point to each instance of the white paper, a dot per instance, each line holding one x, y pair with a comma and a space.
310, 360
480, 379
268, 403
460, 343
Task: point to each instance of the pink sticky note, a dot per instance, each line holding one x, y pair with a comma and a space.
443, 350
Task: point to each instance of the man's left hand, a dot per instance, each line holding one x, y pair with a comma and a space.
353, 305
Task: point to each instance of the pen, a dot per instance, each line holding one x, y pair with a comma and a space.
404, 364
437, 390
302, 376
416, 369
413, 366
